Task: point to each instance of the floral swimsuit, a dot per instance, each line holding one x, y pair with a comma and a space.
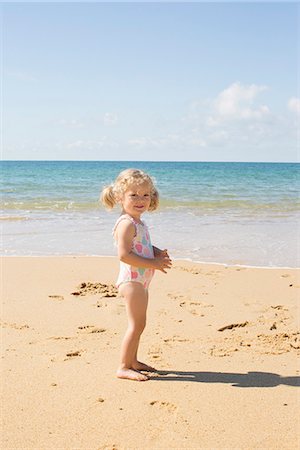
141, 245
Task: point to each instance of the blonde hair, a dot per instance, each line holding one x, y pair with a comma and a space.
112, 194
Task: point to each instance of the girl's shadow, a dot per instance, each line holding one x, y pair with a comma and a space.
250, 379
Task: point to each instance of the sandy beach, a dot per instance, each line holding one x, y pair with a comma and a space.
224, 340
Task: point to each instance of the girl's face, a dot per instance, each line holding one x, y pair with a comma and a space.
136, 199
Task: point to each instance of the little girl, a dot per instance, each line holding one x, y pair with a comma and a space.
134, 190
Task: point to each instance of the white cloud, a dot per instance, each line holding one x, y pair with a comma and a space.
236, 102
211, 121
236, 122
84, 145
197, 142
87, 145
71, 123
110, 119
147, 142
138, 141
294, 104
168, 141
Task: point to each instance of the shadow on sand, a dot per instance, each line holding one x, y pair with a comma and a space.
250, 379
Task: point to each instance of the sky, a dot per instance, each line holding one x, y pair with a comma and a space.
150, 81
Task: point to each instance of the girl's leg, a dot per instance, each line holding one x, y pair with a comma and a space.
136, 299
137, 365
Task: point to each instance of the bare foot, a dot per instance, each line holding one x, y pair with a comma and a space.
137, 365
130, 374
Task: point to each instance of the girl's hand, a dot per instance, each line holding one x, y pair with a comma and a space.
160, 253
162, 263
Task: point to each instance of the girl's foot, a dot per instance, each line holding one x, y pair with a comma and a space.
130, 374
137, 365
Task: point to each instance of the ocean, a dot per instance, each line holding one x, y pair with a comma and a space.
221, 212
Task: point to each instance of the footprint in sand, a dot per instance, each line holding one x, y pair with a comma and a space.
177, 338
56, 297
274, 317
14, 325
101, 304
192, 307
71, 355
279, 343
197, 271
90, 329
221, 351
193, 270
177, 296
155, 352
58, 338
279, 307
212, 273
109, 447
195, 307
253, 340
166, 406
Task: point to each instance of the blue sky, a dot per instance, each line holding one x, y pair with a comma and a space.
150, 81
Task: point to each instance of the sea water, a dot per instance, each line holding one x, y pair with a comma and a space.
231, 213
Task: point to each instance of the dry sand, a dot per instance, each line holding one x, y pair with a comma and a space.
224, 339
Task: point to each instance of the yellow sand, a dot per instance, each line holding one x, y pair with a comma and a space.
234, 389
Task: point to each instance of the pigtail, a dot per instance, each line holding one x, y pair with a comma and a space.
107, 197
154, 200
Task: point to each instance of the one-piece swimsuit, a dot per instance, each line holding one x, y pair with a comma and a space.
141, 245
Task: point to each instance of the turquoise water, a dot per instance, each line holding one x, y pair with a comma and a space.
245, 213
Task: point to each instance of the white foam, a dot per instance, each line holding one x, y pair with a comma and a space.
213, 263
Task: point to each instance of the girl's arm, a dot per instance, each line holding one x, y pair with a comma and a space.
124, 234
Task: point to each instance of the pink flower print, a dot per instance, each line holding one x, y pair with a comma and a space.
134, 275
139, 248
147, 236
146, 251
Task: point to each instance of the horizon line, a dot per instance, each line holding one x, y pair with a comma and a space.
146, 161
